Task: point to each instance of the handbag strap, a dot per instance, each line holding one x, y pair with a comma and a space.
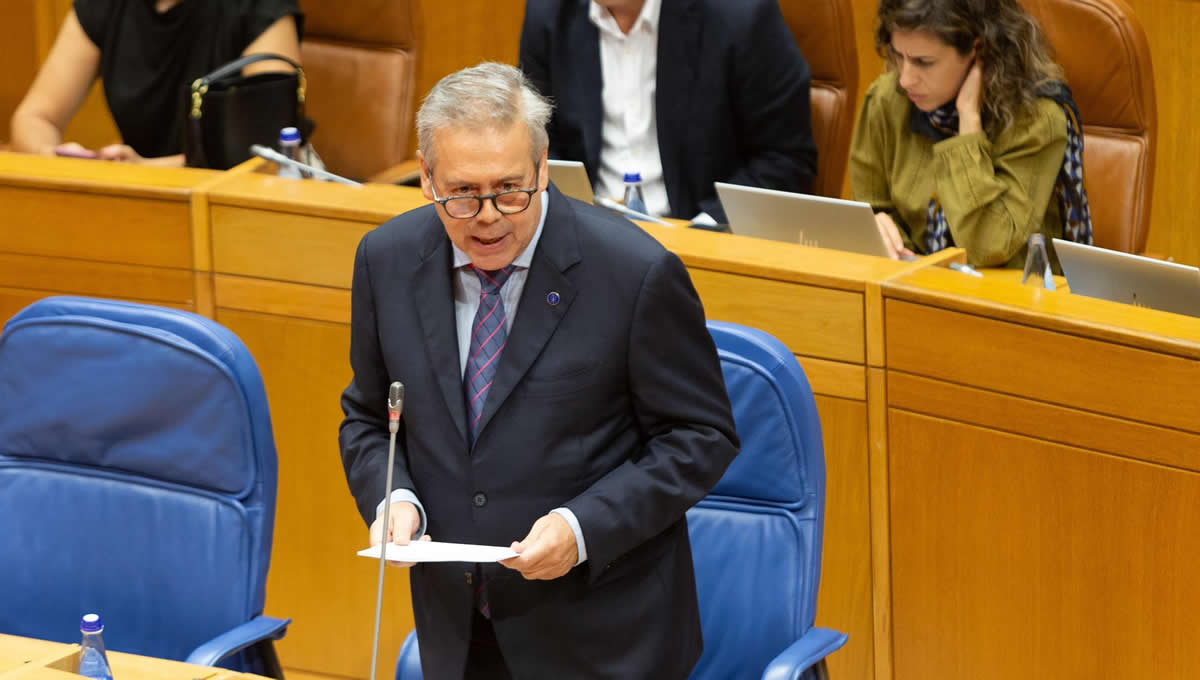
200, 85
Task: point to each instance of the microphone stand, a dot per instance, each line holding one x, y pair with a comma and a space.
395, 403
276, 157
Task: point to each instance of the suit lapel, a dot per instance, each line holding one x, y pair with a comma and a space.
434, 294
679, 27
537, 318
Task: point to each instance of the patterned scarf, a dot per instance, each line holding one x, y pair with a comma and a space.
1069, 188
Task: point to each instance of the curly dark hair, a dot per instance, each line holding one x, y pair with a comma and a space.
1017, 60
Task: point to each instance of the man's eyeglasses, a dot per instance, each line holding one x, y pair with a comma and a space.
505, 202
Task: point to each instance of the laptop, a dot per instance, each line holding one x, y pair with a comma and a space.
801, 218
1131, 279
571, 178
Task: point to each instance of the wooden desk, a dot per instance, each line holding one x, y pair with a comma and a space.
94, 228
30, 659
1043, 452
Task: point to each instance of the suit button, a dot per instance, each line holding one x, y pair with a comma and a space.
479, 500
469, 576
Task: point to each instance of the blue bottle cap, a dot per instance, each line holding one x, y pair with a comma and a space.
90, 623
633, 177
289, 134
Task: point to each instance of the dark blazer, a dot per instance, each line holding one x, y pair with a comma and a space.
610, 402
732, 97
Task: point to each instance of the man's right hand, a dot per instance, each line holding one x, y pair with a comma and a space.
403, 523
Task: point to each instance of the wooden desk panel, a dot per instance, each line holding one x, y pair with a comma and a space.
119, 229
1049, 366
1012, 555
285, 247
315, 578
810, 320
1042, 460
99, 279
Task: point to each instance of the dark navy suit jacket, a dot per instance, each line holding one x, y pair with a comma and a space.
610, 402
732, 95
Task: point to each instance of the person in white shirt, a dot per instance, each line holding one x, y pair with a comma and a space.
683, 92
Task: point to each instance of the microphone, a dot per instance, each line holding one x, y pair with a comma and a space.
395, 403
613, 205
273, 155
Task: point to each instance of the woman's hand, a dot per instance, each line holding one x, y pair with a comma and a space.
119, 152
968, 103
891, 237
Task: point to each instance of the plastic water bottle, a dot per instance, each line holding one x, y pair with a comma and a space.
289, 145
634, 200
93, 661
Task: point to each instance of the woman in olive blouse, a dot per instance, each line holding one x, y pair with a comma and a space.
970, 138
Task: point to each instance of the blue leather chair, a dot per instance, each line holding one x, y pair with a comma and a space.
137, 481
756, 538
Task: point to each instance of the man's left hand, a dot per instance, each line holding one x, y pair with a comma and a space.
549, 551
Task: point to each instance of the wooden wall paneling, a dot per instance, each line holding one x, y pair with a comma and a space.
19, 49
473, 32
315, 577
1012, 555
1171, 27
844, 600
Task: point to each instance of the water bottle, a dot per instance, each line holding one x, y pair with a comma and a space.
93, 662
634, 200
289, 145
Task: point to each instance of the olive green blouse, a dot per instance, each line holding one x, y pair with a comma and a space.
994, 192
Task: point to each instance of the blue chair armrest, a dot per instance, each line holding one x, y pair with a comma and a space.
235, 640
408, 663
816, 644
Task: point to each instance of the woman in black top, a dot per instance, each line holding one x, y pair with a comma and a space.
146, 52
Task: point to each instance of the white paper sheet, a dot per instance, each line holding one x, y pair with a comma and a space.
433, 551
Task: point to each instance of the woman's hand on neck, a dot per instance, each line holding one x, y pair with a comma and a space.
163, 6
968, 103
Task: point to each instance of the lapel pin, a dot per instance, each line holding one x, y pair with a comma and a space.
553, 298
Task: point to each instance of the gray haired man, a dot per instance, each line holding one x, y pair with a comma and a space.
563, 397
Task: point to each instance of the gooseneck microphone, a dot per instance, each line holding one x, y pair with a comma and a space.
274, 156
395, 404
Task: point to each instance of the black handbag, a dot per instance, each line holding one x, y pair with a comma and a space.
226, 112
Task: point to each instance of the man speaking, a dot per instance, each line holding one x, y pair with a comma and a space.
563, 396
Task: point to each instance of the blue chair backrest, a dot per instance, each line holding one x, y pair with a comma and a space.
756, 538
137, 476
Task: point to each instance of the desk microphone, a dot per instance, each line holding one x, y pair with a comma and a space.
395, 404
273, 155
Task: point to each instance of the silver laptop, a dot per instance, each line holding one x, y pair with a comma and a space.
801, 218
1132, 279
571, 178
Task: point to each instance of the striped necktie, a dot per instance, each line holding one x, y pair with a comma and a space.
488, 335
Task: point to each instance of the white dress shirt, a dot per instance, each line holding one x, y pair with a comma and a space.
629, 134
466, 304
